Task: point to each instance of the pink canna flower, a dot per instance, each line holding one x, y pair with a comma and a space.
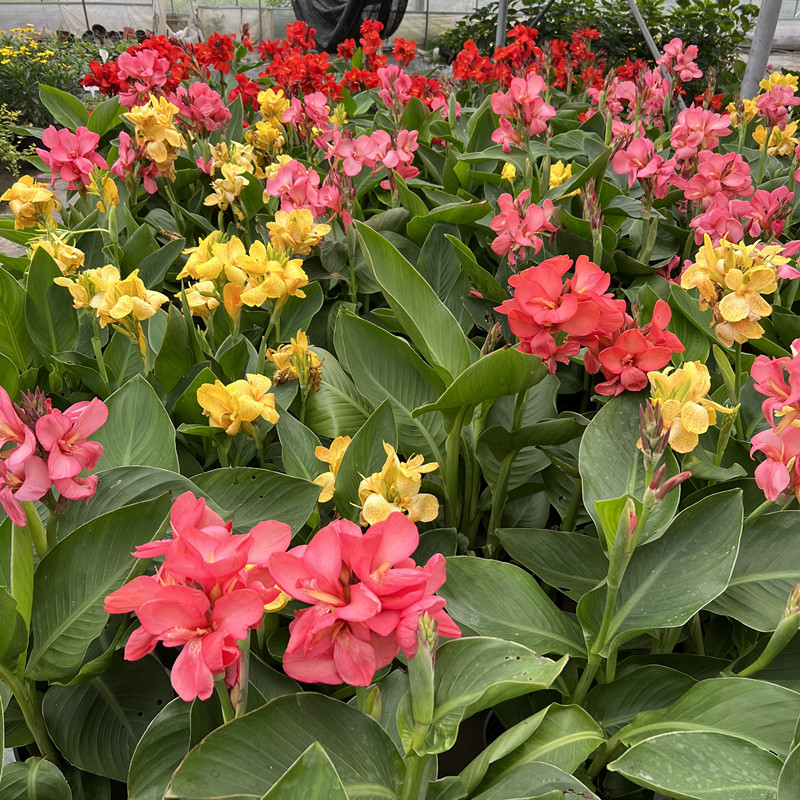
15, 432
365, 593
200, 104
64, 435
698, 129
25, 482
721, 219
638, 161
146, 71
506, 135
766, 213
519, 225
717, 173
71, 156
680, 61
779, 473
396, 87
626, 363
772, 105
778, 379
299, 187
126, 158
355, 153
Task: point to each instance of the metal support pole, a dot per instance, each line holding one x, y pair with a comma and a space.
86, 16
502, 23
651, 45
759, 50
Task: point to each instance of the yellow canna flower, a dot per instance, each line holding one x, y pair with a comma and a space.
295, 361
509, 173
339, 116
273, 104
68, 258
105, 190
239, 404
731, 279
749, 107
397, 488
295, 231
781, 142
271, 171
266, 140
333, 456
83, 286
777, 79
226, 190
681, 395
155, 129
559, 173
206, 260
201, 298
31, 203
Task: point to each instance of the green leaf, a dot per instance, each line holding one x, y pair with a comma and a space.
153, 267
648, 688
503, 372
337, 409
453, 213
124, 486
473, 674
541, 781
298, 312
564, 736
312, 777
521, 612
97, 724
384, 366
549, 432
174, 359
253, 495
481, 279
86, 786
73, 579
270, 739
789, 781
570, 562
429, 323
138, 430
699, 765
160, 750
50, 318
762, 713
36, 779
65, 108
364, 455
105, 116
673, 577
766, 571
298, 444
13, 632
15, 341
611, 464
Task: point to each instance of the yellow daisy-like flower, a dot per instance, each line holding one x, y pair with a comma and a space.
777, 79
295, 361
31, 203
681, 396
295, 231
397, 488
333, 456
781, 142
731, 279
69, 258
239, 404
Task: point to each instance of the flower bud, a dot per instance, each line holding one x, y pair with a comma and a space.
793, 604
420, 676
653, 437
672, 483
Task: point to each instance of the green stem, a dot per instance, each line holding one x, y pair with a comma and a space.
101, 364
259, 444
351, 257
587, 676
499, 500
783, 634
791, 293
737, 386
696, 630
452, 450
244, 679
758, 512
51, 531
36, 529
568, 523
762, 162
412, 780
25, 695
611, 662
228, 712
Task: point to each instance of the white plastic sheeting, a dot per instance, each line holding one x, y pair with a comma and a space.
77, 16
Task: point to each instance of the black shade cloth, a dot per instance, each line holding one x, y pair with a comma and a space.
337, 20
